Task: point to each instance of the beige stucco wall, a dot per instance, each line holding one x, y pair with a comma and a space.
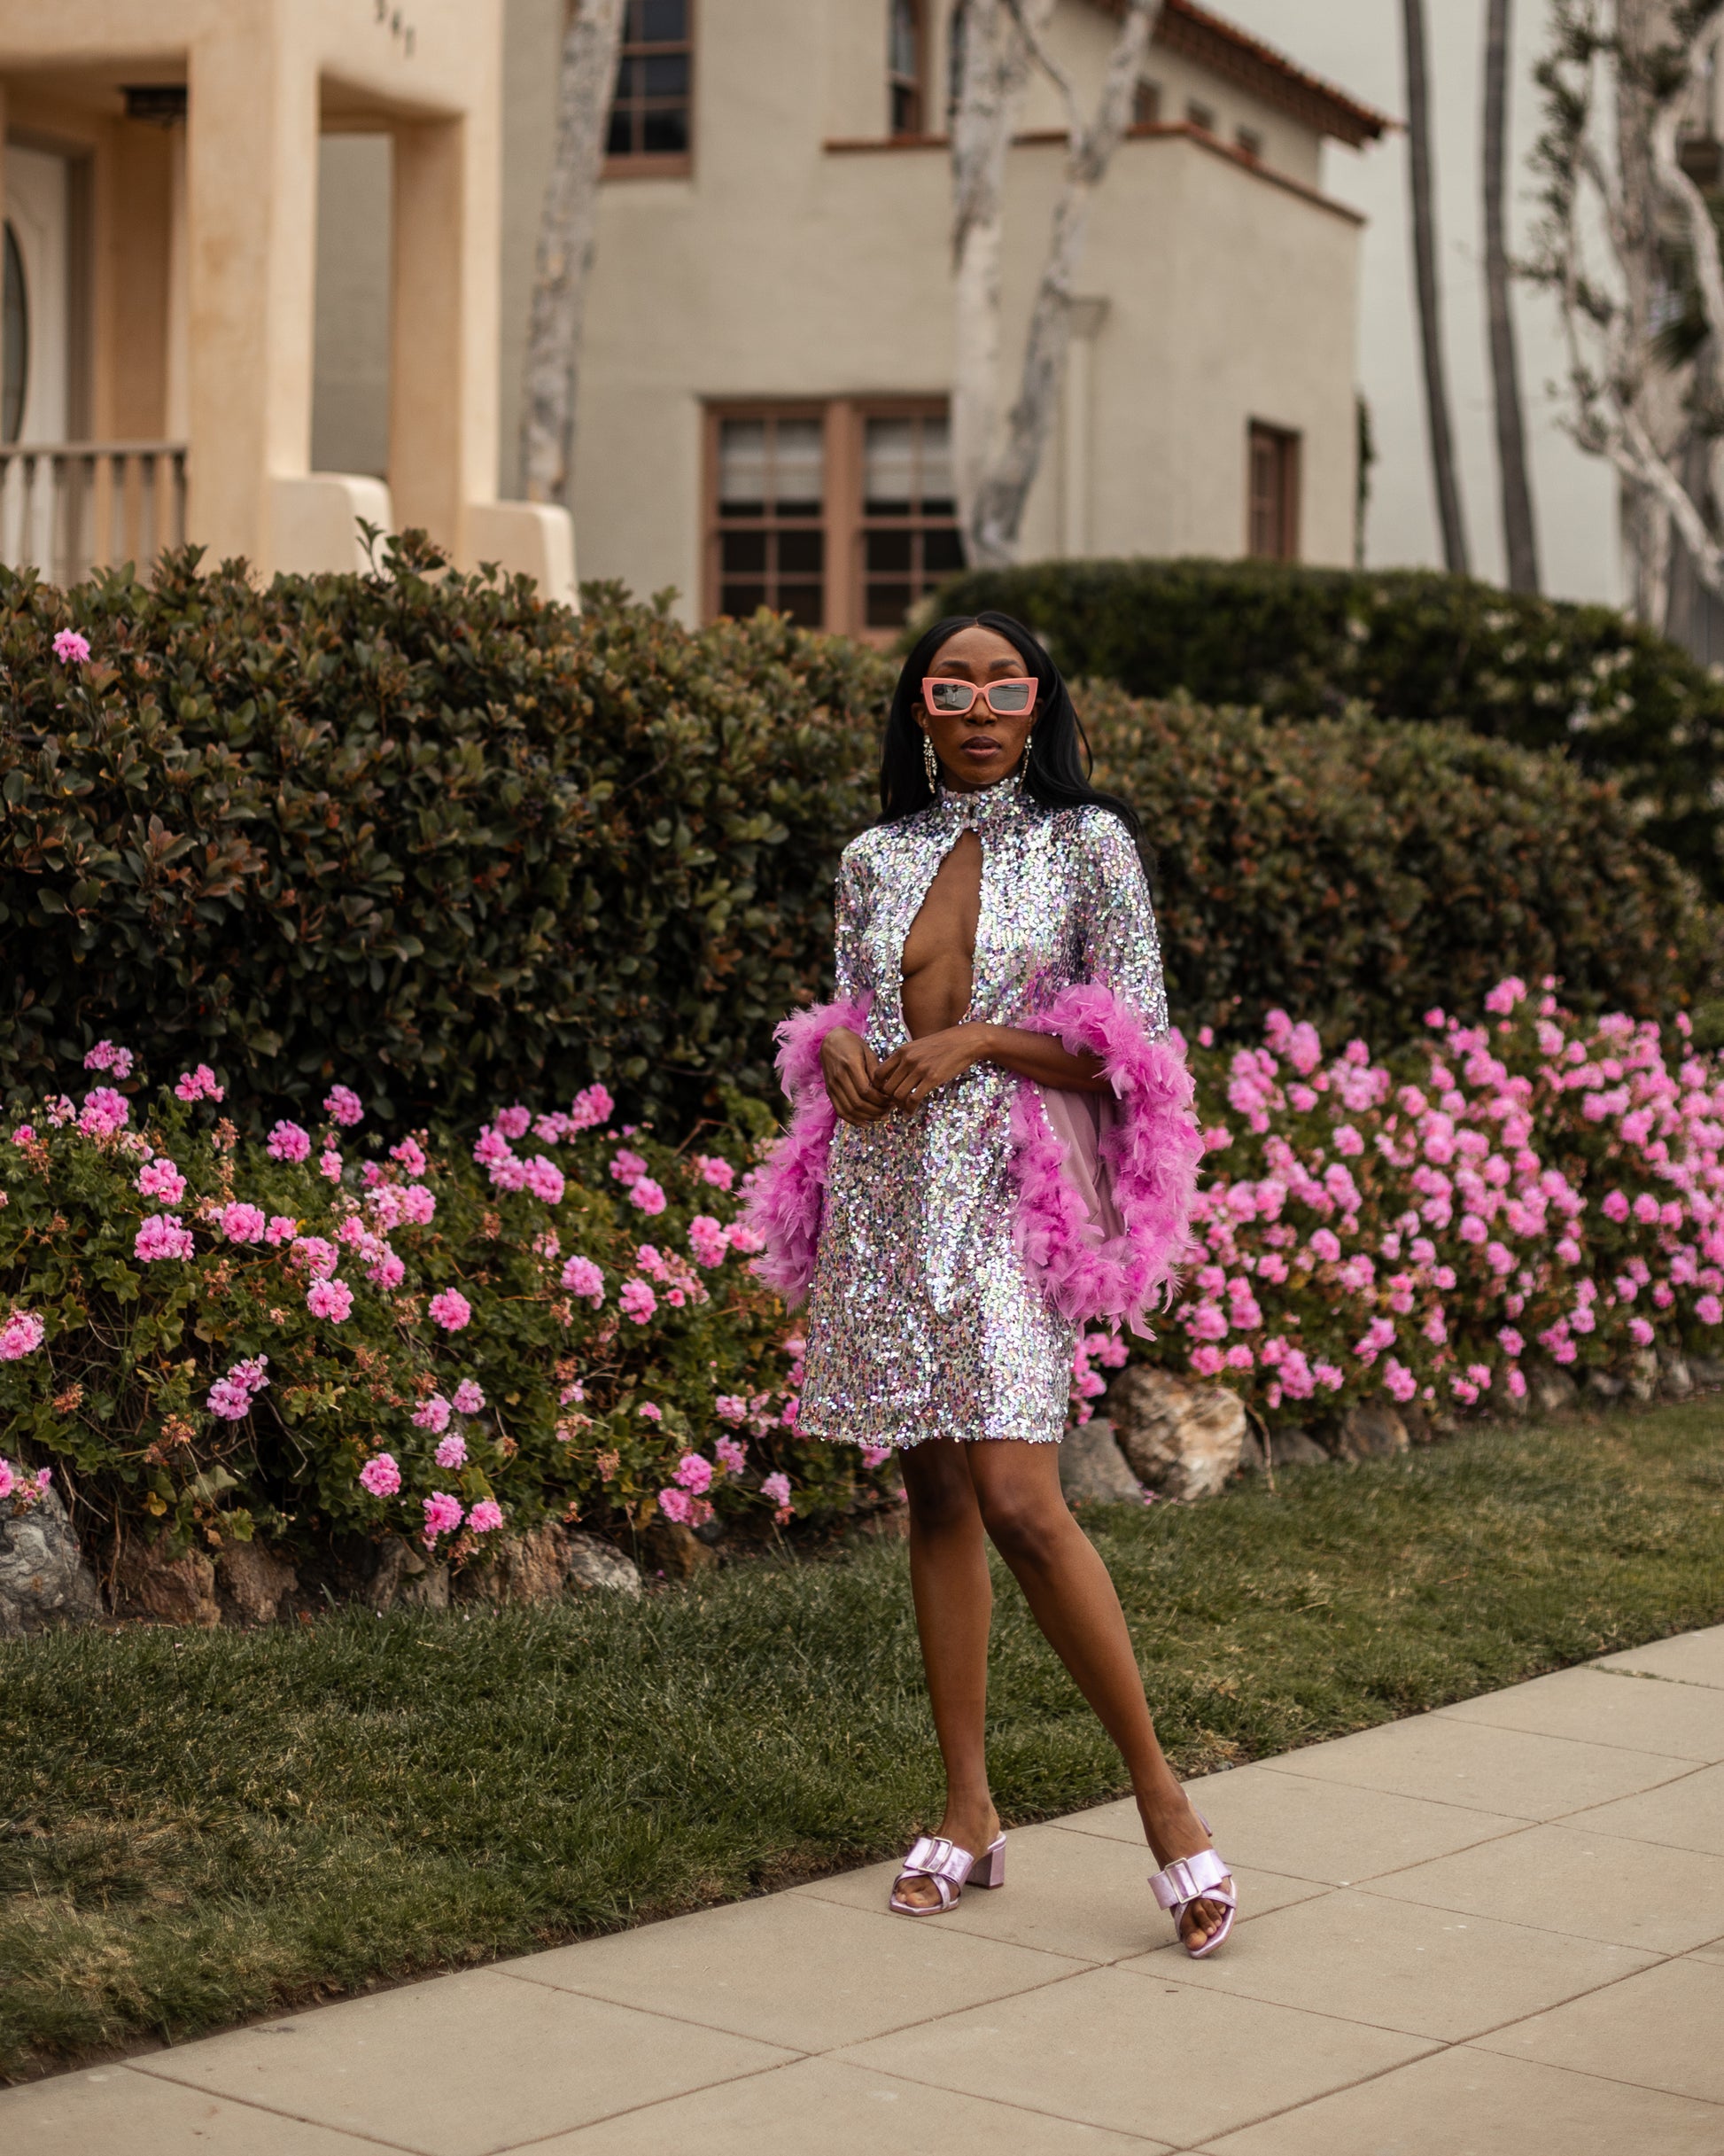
783, 269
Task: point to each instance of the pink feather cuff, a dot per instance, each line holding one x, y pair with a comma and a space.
1151, 1156
786, 1193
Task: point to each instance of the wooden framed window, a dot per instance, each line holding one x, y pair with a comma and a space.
903, 65
1200, 115
1146, 104
1249, 143
840, 514
769, 538
651, 126
1272, 515
910, 540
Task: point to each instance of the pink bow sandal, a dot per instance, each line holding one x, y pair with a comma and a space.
951, 1870
1196, 1878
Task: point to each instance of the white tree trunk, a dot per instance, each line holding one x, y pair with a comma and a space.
994, 69
994, 524
586, 74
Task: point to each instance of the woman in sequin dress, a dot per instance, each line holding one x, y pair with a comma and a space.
991, 1144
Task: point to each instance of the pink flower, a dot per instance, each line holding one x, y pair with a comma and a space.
470, 1398
776, 1489
232, 1402
719, 1173
417, 1204
1510, 1342
581, 1277
651, 1411
591, 1108
1327, 1375
693, 1473
1709, 1310
442, 1515
380, 1477
1646, 1209
1615, 1205
626, 1166
1208, 1361
314, 1255
198, 1084
873, 1454
432, 1414
1501, 999
733, 1456
331, 1299
452, 1452
451, 1309
1499, 1258
707, 1240
106, 1057
544, 1179
514, 1122
160, 1178
486, 1517
287, 1141
242, 1223
22, 1335
1324, 1247
1640, 1332
328, 1166
637, 1301
105, 1112
162, 1235
342, 1105
677, 1504
1568, 1250
1472, 1229
281, 1228
1516, 1384
729, 1408
1400, 1380
647, 1195
70, 647
1347, 1139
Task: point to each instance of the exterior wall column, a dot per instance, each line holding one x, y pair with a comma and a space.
251, 242
1076, 427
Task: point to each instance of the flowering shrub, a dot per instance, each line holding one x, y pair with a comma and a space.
1533, 1184
317, 1335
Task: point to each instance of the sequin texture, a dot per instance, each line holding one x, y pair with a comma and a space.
923, 1321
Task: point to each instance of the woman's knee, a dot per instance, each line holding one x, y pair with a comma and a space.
938, 1490
1027, 1527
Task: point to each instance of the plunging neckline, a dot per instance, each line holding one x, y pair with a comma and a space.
949, 816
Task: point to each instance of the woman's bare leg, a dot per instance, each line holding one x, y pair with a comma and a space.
954, 1604
1074, 1601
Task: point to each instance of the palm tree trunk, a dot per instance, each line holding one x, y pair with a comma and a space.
1519, 541
1425, 264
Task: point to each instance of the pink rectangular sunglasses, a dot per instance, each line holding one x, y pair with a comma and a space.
1007, 699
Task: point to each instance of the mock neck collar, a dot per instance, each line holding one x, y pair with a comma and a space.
1001, 803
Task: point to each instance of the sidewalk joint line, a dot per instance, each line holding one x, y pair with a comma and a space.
274, 2111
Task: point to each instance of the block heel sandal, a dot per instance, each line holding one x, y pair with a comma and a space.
951, 1870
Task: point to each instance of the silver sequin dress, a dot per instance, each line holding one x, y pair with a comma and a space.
923, 1320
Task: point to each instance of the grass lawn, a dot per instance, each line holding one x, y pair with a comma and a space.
199, 1827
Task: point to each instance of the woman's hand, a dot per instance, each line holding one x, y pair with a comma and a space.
851, 1070
911, 1073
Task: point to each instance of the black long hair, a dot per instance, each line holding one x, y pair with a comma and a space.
1057, 770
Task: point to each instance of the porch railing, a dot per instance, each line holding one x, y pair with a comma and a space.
69, 507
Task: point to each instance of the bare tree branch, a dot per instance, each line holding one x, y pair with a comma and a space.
585, 76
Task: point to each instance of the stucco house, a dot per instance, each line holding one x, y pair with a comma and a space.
159, 203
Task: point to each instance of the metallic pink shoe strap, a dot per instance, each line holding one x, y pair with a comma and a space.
932, 1858
1191, 1878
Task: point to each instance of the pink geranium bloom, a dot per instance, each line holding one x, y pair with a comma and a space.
591, 1109
776, 1489
70, 647
626, 1166
162, 1235
442, 1515
581, 1277
729, 1408
637, 1301
692, 1471
288, 1142
243, 1222
21, 1335
515, 1122
732, 1455
432, 1414
332, 1299
719, 1173
105, 1112
343, 1106
486, 1517
647, 1195
380, 1477
198, 1084
451, 1309
469, 1397
160, 1178
678, 1506
106, 1057
452, 1452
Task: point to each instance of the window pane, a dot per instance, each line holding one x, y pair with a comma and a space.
942, 553
904, 42
889, 466
801, 553
935, 485
741, 553
743, 466
741, 599
665, 75
620, 140
662, 22
665, 133
805, 603
628, 81
888, 550
799, 467
888, 605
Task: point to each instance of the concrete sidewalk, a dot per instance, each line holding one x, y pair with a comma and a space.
1499, 1927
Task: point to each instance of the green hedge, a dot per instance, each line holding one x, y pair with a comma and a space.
423, 836
1358, 875
418, 833
1302, 644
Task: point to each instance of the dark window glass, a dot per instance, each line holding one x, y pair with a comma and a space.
772, 497
742, 551
1273, 513
903, 65
650, 107
910, 532
14, 343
